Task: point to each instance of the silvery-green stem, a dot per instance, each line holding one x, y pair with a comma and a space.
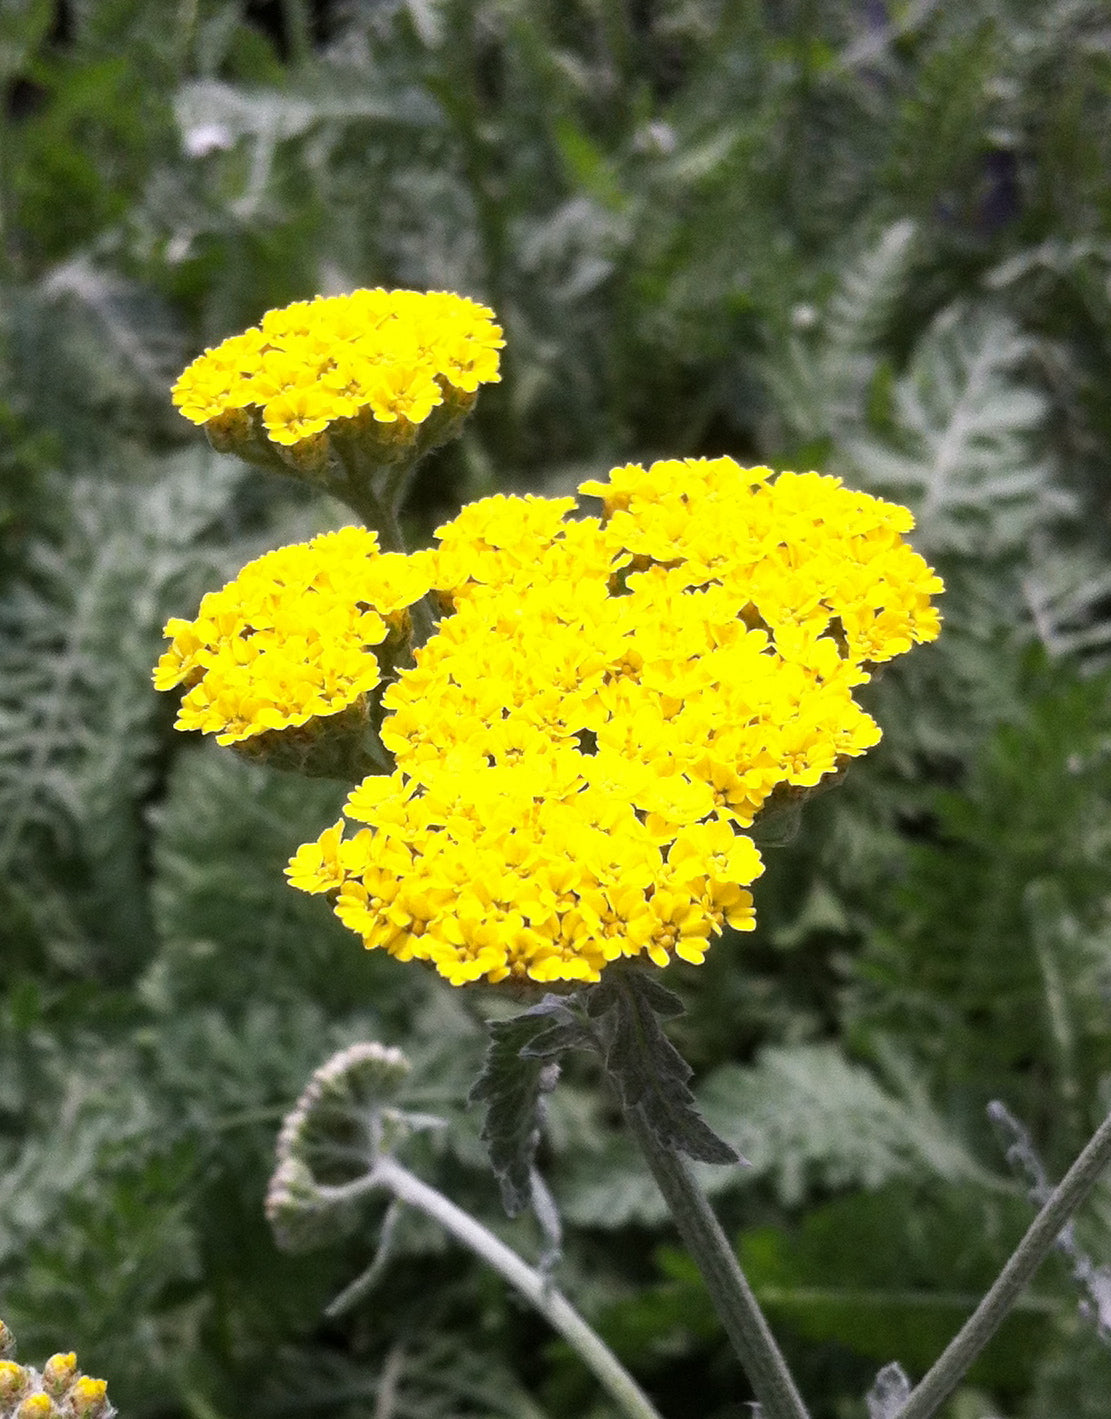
532, 1284
733, 1299
940, 1382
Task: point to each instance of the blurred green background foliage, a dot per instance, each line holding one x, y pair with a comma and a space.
868, 237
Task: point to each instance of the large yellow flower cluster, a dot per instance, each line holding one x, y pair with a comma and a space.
293, 637
390, 356
605, 704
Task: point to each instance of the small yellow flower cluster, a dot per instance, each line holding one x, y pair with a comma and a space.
292, 638
58, 1391
605, 704
392, 356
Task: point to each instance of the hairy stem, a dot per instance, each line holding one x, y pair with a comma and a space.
729, 1290
1035, 1246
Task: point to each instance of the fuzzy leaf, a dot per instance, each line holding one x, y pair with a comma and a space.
807, 1119
820, 374
520, 1068
79, 631
648, 1071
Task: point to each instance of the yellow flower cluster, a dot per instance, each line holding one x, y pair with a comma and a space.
391, 356
58, 1391
605, 704
292, 639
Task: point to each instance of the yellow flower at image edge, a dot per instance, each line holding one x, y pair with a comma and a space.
604, 708
59, 1389
292, 639
390, 357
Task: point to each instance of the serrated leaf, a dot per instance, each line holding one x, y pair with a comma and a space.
821, 373
808, 1116
648, 1071
80, 629
1067, 591
520, 1068
869, 289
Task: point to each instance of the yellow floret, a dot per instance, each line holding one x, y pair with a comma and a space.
14, 1379
88, 1397
36, 1406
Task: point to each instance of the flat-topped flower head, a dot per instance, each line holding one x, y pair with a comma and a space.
605, 707
346, 393
389, 356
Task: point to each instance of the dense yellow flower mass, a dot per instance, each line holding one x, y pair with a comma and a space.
293, 637
388, 357
604, 707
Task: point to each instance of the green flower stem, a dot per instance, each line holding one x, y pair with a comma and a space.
532, 1284
949, 1370
422, 618
381, 516
729, 1290
376, 513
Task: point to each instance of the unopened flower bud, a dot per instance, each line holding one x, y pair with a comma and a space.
59, 1373
14, 1380
88, 1398
36, 1406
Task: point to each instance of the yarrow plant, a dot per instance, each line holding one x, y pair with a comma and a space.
604, 705
556, 728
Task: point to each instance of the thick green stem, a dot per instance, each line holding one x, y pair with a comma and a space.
1035, 1246
729, 1290
532, 1284
375, 513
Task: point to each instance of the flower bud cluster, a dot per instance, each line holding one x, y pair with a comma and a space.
353, 1084
58, 1391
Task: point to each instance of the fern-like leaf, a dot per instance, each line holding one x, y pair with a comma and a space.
820, 374
1068, 595
521, 1067
964, 448
79, 633
649, 1073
